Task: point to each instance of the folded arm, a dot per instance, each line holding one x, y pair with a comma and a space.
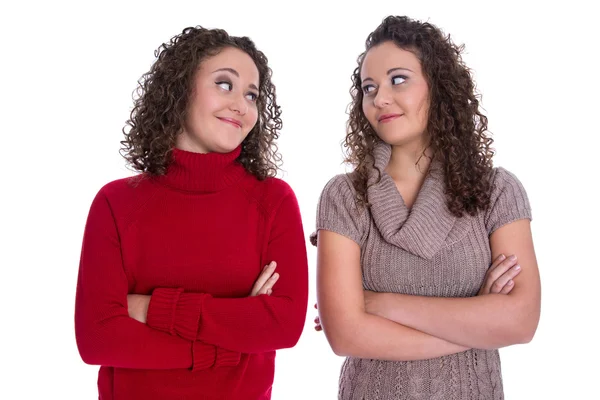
250, 324
487, 322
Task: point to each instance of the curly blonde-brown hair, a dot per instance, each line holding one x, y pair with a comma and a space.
163, 94
456, 127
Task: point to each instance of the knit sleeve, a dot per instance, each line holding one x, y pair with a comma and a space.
508, 201
254, 324
338, 211
105, 333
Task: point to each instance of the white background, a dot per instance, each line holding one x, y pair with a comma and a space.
67, 72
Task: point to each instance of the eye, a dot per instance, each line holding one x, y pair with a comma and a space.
398, 79
368, 89
252, 97
225, 85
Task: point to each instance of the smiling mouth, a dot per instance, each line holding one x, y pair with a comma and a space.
233, 122
389, 117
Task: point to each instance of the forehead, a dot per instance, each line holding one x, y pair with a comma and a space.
385, 56
231, 57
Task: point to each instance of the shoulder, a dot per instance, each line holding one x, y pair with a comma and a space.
269, 193
340, 188
506, 186
508, 200
501, 178
125, 195
338, 210
119, 187
126, 188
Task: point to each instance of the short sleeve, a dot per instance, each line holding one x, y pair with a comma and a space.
508, 201
339, 212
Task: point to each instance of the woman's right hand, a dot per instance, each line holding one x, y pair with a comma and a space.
266, 280
500, 275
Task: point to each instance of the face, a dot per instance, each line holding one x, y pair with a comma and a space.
396, 94
222, 108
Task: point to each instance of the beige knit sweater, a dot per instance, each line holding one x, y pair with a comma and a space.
422, 251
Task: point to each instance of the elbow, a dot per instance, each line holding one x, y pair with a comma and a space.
522, 324
340, 345
522, 332
89, 341
526, 333
289, 330
290, 337
87, 350
528, 326
340, 350
89, 358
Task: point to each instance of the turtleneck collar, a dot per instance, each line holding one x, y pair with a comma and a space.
421, 230
202, 173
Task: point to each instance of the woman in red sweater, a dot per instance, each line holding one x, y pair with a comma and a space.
173, 299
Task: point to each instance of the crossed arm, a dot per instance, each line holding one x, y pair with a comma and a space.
402, 327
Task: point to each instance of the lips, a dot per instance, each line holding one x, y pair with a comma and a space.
231, 121
388, 117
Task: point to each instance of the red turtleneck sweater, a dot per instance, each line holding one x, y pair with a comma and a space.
196, 239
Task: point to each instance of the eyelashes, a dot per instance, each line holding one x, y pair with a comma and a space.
228, 86
398, 79
395, 81
225, 85
368, 89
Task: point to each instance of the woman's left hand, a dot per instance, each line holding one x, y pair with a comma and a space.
137, 306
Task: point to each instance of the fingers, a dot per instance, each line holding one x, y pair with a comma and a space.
266, 274
318, 326
267, 288
499, 267
508, 287
505, 283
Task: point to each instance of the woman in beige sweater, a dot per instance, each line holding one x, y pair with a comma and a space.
405, 242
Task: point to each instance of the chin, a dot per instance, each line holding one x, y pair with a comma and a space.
400, 139
225, 147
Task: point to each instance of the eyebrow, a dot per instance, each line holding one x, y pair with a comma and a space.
390, 71
233, 71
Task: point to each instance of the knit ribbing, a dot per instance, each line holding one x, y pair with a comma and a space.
202, 173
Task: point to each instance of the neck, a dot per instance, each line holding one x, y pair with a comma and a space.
409, 162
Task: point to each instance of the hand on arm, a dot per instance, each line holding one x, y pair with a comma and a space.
491, 319
252, 324
498, 279
137, 304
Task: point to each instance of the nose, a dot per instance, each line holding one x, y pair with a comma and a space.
239, 105
382, 98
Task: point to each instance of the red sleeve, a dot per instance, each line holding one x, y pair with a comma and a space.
250, 324
105, 333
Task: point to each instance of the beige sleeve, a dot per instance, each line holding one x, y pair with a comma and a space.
338, 211
508, 202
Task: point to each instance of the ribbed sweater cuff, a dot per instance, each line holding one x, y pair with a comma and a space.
161, 310
203, 355
187, 314
227, 358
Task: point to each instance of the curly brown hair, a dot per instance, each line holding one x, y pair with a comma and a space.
456, 127
163, 94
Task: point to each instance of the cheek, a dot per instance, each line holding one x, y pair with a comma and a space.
424, 110
368, 110
251, 117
